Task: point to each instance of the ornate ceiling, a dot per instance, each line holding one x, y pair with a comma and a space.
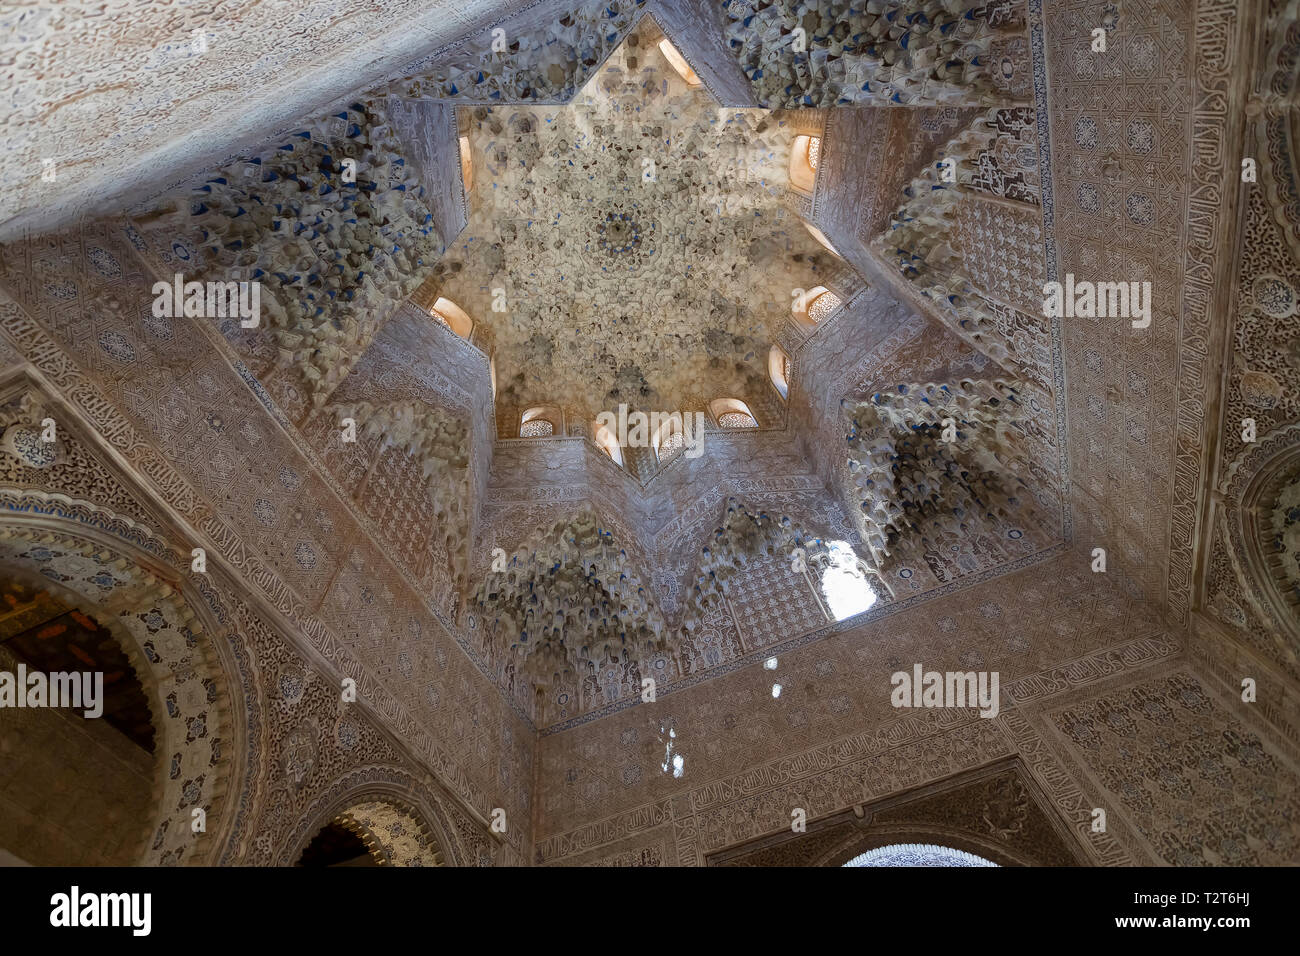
639, 240
636, 245
938, 447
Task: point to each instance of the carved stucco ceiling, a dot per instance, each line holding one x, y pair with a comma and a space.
640, 238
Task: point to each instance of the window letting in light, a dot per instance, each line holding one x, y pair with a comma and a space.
778, 370
814, 306
541, 421
805, 154
608, 443
452, 316
732, 413
678, 63
844, 583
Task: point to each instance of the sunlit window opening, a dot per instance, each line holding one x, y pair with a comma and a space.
918, 854
805, 153
844, 583
778, 370
814, 306
732, 413
541, 421
678, 63
770, 664
452, 316
822, 306
776, 690
466, 163
669, 440
608, 443
673, 763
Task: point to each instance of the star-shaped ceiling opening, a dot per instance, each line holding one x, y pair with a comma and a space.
638, 244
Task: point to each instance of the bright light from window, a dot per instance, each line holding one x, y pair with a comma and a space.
770, 663
671, 760
776, 690
678, 63
844, 585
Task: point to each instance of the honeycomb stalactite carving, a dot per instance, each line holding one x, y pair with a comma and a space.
22, 437
882, 52
439, 441
333, 257
593, 220
910, 479
920, 240
393, 836
745, 535
570, 599
1284, 523
548, 66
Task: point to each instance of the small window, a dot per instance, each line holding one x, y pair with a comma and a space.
678, 63
732, 413
814, 306
452, 316
737, 420
669, 439
805, 153
846, 585
778, 369
608, 443
541, 421
466, 164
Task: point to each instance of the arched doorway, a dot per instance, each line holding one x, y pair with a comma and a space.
148, 775
373, 833
78, 748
